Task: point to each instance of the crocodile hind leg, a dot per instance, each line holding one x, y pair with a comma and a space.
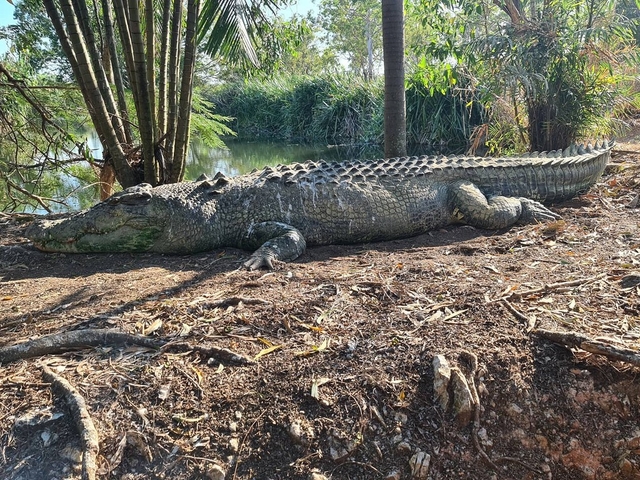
275, 241
495, 212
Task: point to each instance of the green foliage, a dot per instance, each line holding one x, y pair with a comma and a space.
206, 125
354, 30
555, 62
336, 110
229, 28
32, 41
333, 109
37, 149
344, 110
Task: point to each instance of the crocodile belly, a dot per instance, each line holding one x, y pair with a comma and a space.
359, 215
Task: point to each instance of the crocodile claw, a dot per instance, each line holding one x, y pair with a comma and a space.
257, 262
533, 212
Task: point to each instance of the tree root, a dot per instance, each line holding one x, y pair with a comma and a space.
81, 418
78, 339
233, 301
65, 341
576, 340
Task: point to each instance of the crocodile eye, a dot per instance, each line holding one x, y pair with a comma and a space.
137, 195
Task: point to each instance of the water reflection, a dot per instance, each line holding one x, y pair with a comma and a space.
241, 157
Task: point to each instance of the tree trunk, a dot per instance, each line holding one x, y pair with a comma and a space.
163, 73
172, 81
186, 93
395, 121
83, 71
117, 73
145, 113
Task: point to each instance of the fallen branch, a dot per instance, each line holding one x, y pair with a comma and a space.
223, 354
576, 340
82, 420
555, 286
76, 339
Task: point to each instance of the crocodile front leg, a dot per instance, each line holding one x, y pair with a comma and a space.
274, 241
495, 212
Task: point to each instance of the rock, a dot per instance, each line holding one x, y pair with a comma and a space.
463, 404
392, 475
514, 411
234, 444
340, 446
442, 377
216, 472
630, 281
483, 437
401, 418
317, 476
403, 448
419, 464
301, 433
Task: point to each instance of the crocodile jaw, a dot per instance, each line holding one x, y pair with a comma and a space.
111, 230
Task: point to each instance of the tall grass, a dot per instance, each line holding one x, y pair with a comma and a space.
441, 119
341, 110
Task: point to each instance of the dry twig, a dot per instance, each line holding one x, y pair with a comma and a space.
82, 420
222, 354
556, 286
529, 322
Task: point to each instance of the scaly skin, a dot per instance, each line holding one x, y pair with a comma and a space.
279, 211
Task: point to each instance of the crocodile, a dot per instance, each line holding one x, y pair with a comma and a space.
278, 212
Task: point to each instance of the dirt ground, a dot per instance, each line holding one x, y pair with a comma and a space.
343, 339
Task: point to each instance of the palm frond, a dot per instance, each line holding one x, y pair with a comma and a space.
228, 27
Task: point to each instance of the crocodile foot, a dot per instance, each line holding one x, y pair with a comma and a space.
533, 212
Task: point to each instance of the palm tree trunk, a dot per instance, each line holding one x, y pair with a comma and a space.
151, 55
80, 8
186, 93
395, 117
98, 110
174, 62
145, 113
117, 73
162, 76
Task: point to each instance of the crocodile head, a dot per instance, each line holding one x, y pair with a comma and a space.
129, 221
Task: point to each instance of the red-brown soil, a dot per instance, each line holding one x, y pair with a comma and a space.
361, 324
